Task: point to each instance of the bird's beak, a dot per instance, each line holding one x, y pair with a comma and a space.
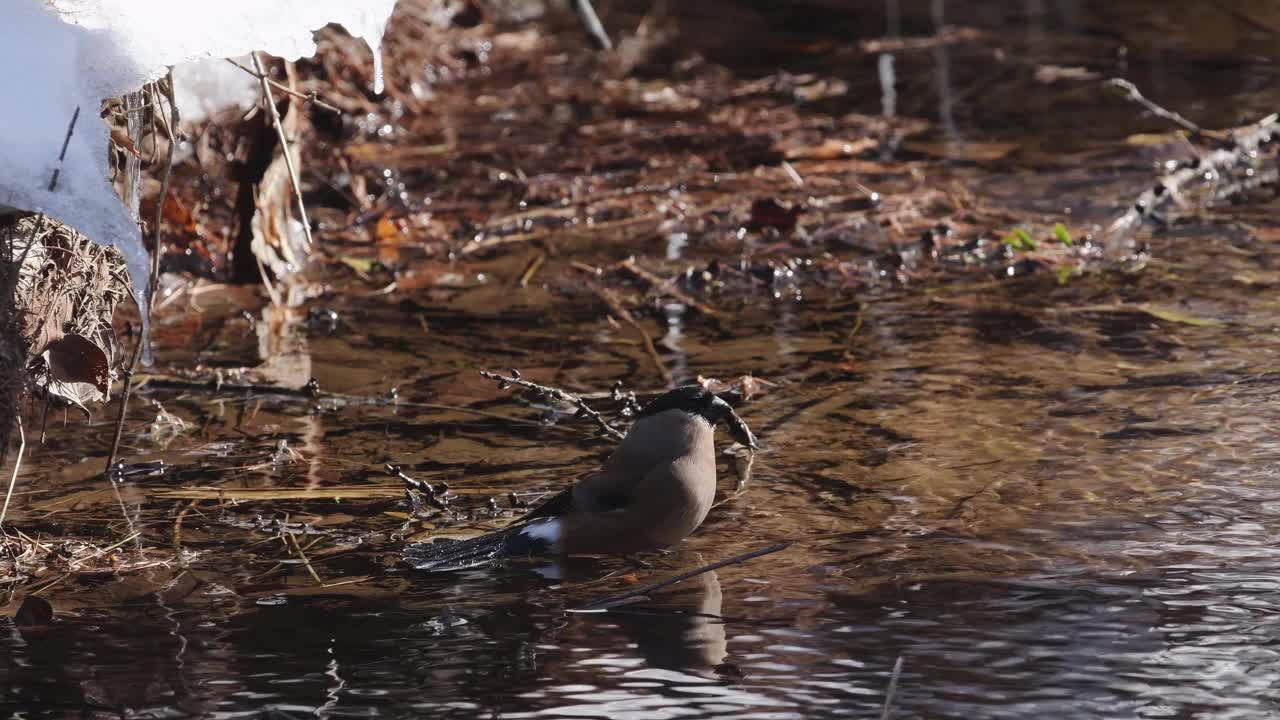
739, 429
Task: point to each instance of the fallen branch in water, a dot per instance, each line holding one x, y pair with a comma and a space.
606, 603
544, 391
1234, 167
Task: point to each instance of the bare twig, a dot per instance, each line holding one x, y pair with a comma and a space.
298, 548
584, 410
1133, 94
170, 125
891, 690
606, 603
792, 174
17, 463
591, 24
71, 128
248, 391
310, 97
109, 548
124, 405
1237, 166
284, 148
532, 269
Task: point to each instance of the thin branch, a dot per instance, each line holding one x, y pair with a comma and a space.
305, 561
604, 604
170, 125
310, 97
1237, 166
109, 548
71, 128
17, 463
1133, 94
532, 269
284, 148
591, 24
584, 409
249, 391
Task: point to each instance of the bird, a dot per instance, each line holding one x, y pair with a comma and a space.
652, 492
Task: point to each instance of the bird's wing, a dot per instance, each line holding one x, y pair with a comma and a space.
556, 505
597, 492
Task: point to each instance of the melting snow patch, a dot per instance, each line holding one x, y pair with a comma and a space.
59, 59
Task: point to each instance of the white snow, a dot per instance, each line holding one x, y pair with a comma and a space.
60, 55
204, 87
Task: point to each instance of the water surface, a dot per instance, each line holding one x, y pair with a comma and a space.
1041, 497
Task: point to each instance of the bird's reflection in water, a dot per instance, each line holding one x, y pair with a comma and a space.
681, 629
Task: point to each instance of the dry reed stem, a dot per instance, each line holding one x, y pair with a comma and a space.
284, 148
170, 125
13, 479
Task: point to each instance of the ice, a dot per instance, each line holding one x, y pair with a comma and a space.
60, 56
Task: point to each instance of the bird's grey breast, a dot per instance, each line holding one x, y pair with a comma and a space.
663, 438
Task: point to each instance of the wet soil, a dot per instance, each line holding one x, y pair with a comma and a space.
1046, 493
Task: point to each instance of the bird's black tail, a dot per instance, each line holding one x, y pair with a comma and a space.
444, 556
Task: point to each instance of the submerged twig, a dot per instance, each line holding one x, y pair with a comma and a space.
284, 148
604, 604
584, 410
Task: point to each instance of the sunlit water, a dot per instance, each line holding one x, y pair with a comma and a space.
1043, 500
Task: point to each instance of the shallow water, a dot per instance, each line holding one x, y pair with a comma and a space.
1042, 498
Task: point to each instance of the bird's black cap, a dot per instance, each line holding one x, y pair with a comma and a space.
697, 400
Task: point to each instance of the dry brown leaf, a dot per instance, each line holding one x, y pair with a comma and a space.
832, 148
964, 151
74, 358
